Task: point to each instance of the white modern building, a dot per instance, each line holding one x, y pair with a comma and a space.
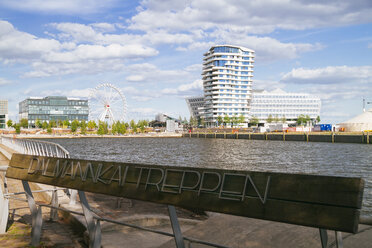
195, 105
227, 82
280, 104
3, 113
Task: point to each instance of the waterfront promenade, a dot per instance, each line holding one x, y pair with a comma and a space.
226, 230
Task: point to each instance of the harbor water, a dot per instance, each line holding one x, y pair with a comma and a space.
351, 160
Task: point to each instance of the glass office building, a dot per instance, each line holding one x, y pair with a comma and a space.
53, 108
227, 82
281, 104
3, 113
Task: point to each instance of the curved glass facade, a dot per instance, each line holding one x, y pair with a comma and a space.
227, 80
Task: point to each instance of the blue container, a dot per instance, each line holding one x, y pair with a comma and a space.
325, 127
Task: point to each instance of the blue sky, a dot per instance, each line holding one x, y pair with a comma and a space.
152, 50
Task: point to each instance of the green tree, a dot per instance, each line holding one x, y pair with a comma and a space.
133, 126
24, 123
17, 127
49, 128
38, 123
226, 119
254, 121
300, 120
122, 128
102, 128
219, 120
114, 127
74, 125
318, 119
241, 119
141, 125
276, 119
9, 123
185, 120
66, 123
44, 125
52, 123
269, 119
234, 120
92, 124
83, 127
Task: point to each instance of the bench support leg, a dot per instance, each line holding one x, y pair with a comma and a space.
323, 237
176, 227
54, 203
338, 239
94, 229
36, 215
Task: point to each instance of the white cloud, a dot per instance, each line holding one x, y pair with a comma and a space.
17, 46
80, 93
194, 88
330, 75
49, 57
149, 73
369, 45
268, 85
67, 7
253, 16
266, 48
4, 81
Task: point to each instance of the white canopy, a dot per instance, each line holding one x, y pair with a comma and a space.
362, 122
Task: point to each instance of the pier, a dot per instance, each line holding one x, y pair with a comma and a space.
330, 137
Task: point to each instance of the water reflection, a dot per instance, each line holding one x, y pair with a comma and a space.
276, 156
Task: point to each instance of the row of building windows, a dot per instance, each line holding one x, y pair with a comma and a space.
57, 102
284, 110
279, 96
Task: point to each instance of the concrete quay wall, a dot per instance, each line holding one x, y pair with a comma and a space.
363, 138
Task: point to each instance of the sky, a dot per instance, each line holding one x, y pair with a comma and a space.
153, 49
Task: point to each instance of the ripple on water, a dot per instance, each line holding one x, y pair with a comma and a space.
276, 156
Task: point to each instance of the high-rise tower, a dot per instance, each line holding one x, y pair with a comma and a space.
227, 82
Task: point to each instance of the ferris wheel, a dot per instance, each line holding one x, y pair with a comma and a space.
107, 103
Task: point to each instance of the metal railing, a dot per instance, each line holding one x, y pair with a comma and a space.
35, 147
43, 148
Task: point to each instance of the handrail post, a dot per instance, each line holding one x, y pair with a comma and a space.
37, 220
54, 203
338, 239
4, 209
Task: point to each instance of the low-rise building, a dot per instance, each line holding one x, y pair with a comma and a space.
53, 108
3, 113
281, 105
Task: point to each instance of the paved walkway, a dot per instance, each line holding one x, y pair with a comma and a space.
235, 231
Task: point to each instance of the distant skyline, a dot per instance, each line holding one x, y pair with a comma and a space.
153, 50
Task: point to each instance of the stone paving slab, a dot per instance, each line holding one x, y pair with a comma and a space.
235, 231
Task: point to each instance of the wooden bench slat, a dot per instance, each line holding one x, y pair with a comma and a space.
319, 201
